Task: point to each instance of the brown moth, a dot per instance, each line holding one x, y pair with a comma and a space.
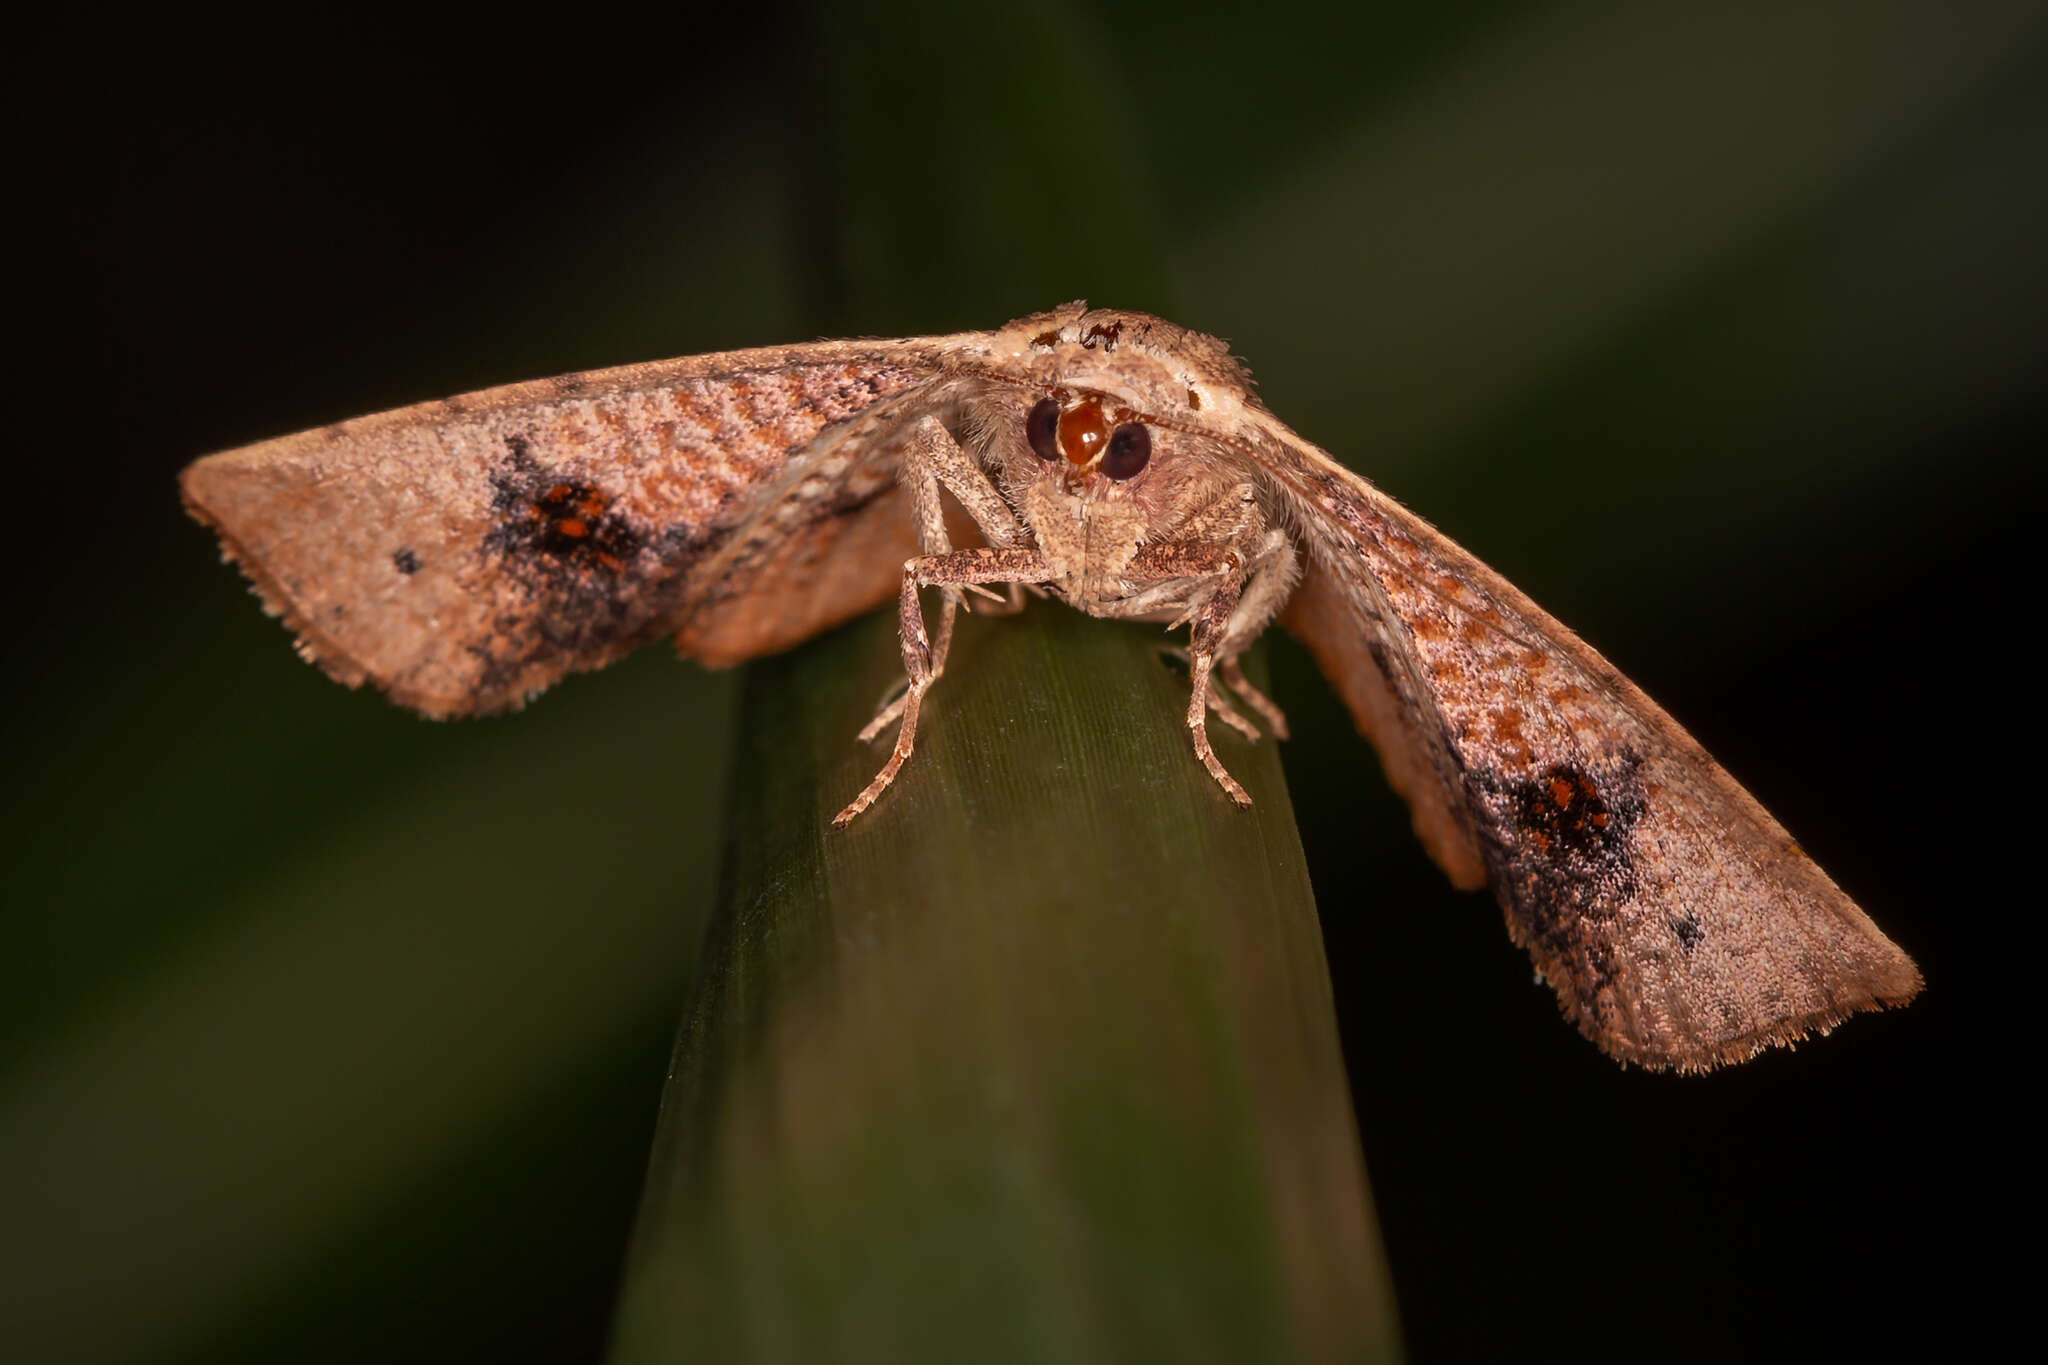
464, 554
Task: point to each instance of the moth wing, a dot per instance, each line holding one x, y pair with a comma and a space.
464, 554
1677, 921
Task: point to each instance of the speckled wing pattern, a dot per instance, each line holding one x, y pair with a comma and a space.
1679, 924
464, 554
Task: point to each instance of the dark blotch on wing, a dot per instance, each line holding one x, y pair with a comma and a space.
1561, 842
1565, 815
405, 561
592, 583
1689, 932
555, 524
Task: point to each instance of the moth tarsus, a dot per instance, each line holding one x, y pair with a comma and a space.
463, 555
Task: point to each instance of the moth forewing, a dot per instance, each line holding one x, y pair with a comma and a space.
464, 554
1678, 922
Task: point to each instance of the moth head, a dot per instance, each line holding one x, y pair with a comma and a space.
1090, 445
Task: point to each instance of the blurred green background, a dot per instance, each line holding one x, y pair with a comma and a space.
1722, 330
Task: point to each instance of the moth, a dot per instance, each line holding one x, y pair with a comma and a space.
464, 554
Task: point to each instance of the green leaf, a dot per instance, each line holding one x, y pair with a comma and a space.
1036, 1061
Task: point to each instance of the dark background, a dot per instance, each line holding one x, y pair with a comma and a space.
325, 1032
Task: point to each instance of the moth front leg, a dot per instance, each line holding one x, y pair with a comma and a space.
1269, 582
959, 474
1232, 673
954, 569
932, 460
1208, 633
1234, 518
1179, 559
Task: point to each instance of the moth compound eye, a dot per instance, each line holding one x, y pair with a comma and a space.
1130, 450
1082, 431
1041, 429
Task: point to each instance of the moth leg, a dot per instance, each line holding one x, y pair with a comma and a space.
1232, 674
956, 568
1208, 632
1228, 714
935, 456
934, 460
1180, 566
942, 644
890, 709
1218, 702
1195, 551
1255, 569
1009, 604
1211, 609
1224, 521
935, 666
1268, 584
929, 441
938, 458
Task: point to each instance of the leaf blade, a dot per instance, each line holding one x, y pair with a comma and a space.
1036, 1061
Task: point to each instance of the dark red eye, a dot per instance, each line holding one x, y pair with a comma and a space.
1041, 429
1130, 448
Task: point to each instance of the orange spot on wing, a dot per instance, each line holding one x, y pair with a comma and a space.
1509, 741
